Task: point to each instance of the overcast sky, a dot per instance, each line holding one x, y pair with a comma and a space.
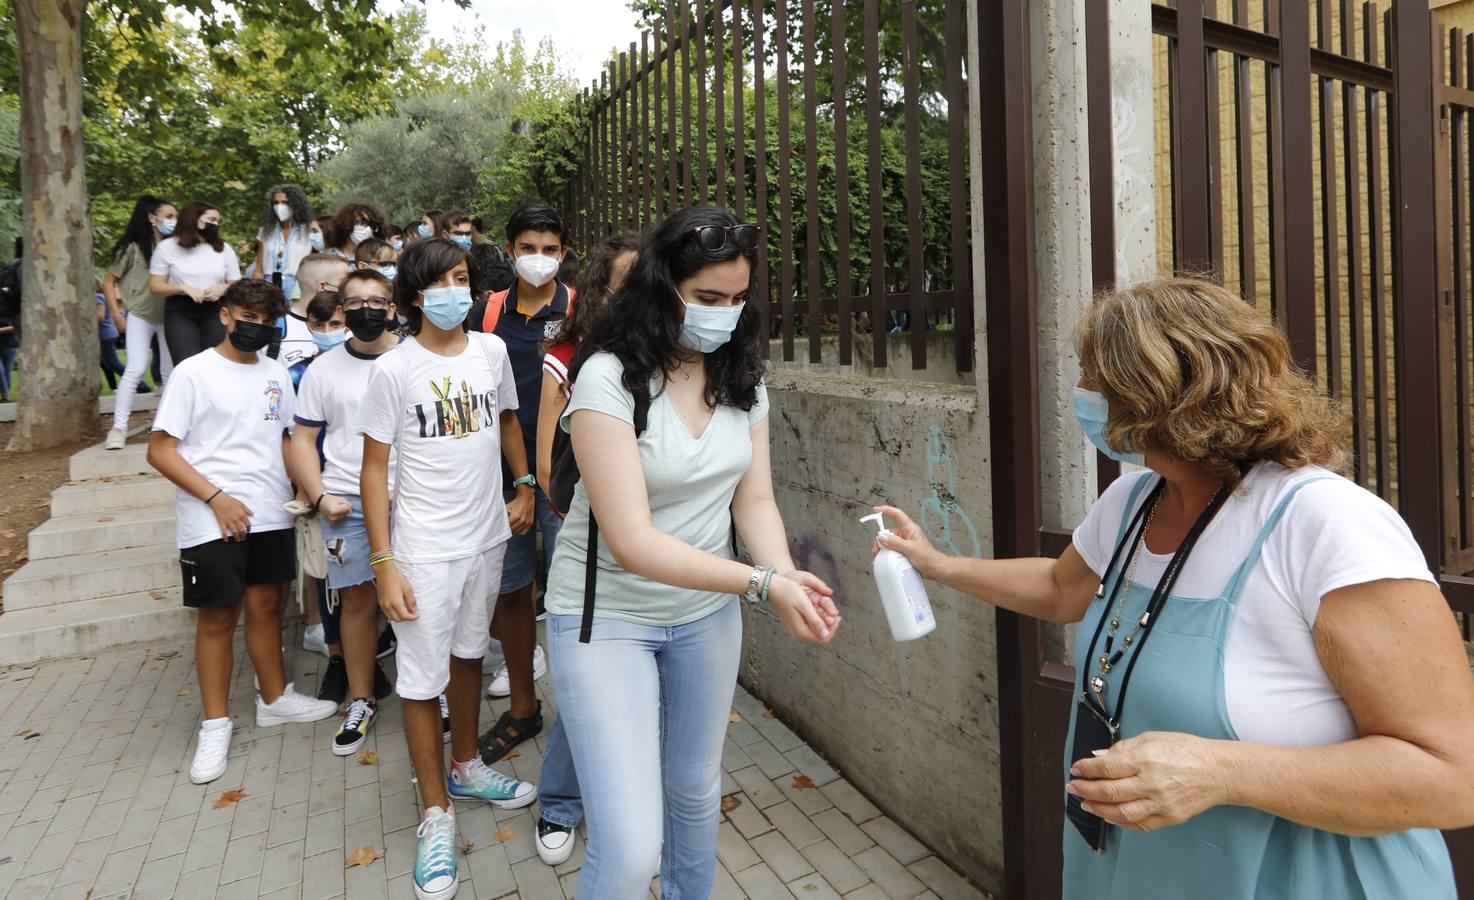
585, 30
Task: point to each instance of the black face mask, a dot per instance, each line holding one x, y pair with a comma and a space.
367, 324
210, 232
248, 337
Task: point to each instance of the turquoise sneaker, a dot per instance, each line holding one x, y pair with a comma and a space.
482, 782
435, 864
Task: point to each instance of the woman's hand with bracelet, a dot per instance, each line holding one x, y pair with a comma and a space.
812, 620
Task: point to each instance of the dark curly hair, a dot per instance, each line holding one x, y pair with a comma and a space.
643, 324
350, 214
296, 199
420, 266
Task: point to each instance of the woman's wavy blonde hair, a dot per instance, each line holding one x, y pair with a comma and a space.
1191, 370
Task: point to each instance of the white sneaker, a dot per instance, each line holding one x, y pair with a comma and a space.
116, 438
501, 682
554, 842
210, 752
312, 640
292, 707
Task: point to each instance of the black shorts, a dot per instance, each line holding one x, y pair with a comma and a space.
218, 573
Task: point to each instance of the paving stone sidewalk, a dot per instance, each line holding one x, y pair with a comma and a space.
95, 802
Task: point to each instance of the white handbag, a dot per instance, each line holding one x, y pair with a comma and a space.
312, 556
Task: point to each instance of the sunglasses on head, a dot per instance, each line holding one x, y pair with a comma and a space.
712, 238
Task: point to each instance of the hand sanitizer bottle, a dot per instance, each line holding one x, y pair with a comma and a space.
901, 591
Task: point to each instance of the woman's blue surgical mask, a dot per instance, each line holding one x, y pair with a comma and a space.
707, 328
389, 271
1094, 412
327, 340
167, 226
462, 240
314, 240
425, 230
446, 307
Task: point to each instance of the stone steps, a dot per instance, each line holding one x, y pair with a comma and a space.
96, 463
90, 626
110, 494
120, 529
88, 576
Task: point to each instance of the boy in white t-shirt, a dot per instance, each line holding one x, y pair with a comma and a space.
446, 402
328, 401
220, 435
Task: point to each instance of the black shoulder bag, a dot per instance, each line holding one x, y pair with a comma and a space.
561, 482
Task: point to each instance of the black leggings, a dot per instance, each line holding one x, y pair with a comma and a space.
190, 327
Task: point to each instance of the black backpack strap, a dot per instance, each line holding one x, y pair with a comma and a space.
590, 578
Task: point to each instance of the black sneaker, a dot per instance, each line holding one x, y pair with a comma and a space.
387, 643
355, 728
334, 684
554, 842
383, 687
444, 720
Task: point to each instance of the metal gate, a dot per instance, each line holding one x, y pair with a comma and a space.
1319, 118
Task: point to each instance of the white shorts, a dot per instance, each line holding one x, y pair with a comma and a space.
453, 601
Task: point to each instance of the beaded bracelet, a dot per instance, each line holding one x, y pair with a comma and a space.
381, 557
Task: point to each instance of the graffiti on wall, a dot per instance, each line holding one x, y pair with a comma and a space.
942, 517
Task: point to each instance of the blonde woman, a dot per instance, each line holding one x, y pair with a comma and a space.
1273, 698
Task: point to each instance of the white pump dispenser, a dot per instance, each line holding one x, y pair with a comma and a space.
901, 591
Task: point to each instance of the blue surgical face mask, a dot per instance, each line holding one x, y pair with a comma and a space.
315, 241
446, 307
425, 230
167, 226
327, 340
1093, 412
707, 328
462, 240
389, 271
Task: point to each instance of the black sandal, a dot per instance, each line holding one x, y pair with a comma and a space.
507, 733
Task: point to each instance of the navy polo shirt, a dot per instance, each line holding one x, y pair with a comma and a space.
525, 337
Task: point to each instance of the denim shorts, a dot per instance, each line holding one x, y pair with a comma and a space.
348, 548
520, 568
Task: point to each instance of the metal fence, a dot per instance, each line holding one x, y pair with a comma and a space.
744, 103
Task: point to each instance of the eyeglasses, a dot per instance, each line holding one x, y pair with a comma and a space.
352, 303
712, 238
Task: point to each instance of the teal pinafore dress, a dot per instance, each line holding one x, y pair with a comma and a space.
1228, 852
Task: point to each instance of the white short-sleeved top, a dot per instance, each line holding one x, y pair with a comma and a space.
1334, 534
201, 266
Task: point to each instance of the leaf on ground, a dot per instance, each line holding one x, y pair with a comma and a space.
167, 654
467, 847
506, 834
33, 735
229, 798
811, 887
104, 519
768, 714
156, 594
186, 692
368, 757
24, 732
803, 783
734, 718
511, 755
363, 856
730, 802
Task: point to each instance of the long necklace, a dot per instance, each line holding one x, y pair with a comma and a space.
1107, 659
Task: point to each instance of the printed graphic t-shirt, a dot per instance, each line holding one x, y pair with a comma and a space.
442, 415
297, 346
229, 419
331, 392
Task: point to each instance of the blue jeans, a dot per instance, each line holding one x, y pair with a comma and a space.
520, 568
645, 710
7, 363
558, 797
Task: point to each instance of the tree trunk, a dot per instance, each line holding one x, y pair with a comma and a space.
58, 362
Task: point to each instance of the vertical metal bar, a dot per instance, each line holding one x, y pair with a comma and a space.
1213, 113
1100, 122
760, 176
626, 147
606, 188
785, 188
1243, 104
704, 174
718, 46
1297, 189
689, 197
879, 309
954, 58
658, 144
1375, 228
1330, 245
1191, 185
844, 287
1356, 304
1416, 335
673, 169
1462, 519
813, 271
915, 215
1006, 143
739, 127
644, 100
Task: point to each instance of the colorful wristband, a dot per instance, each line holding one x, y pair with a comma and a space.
767, 582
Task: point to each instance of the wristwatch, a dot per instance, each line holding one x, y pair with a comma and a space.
528, 480
754, 584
